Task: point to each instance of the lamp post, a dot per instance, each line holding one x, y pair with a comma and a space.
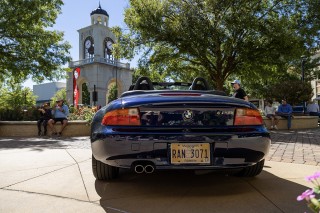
117, 77
24, 108
303, 61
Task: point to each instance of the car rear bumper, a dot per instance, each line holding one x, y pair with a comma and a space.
227, 150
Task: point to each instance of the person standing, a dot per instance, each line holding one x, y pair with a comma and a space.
60, 113
45, 116
238, 91
285, 111
270, 113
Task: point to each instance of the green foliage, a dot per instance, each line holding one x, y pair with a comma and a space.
113, 93
294, 91
83, 113
19, 114
217, 39
28, 47
17, 103
16, 97
85, 94
60, 94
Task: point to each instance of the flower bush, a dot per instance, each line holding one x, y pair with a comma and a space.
83, 113
309, 195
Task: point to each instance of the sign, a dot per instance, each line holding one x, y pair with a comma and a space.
190, 153
76, 74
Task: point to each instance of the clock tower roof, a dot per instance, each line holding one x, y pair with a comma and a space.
99, 10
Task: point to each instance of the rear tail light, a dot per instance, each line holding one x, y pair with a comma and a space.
127, 117
180, 94
247, 117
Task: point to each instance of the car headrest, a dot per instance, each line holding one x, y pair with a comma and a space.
199, 87
143, 86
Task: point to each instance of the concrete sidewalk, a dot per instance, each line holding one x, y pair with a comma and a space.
51, 175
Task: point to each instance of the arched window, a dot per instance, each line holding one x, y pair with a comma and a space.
85, 95
88, 48
108, 47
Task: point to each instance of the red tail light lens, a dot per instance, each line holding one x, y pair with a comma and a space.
180, 94
124, 117
247, 117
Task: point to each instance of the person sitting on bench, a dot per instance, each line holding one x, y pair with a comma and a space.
60, 113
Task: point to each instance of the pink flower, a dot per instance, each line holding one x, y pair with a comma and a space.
313, 177
308, 194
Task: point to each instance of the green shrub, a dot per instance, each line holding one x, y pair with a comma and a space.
82, 113
19, 114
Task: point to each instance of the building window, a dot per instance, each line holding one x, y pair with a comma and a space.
85, 95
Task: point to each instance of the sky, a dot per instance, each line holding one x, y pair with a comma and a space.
75, 14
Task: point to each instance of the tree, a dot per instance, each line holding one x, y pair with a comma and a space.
17, 103
294, 91
28, 48
85, 95
218, 39
113, 93
15, 97
60, 94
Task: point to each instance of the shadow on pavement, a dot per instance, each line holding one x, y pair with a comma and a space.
185, 191
299, 136
41, 143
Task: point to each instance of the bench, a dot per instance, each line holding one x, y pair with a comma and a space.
297, 122
30, 129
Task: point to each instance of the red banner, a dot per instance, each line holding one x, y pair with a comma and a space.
76, 74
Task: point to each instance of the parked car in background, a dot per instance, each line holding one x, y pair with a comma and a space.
155, 126
259, 103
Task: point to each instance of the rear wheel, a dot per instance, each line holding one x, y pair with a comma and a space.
251, 171
103, 171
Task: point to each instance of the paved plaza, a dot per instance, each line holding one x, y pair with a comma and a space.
54, 175
300, 146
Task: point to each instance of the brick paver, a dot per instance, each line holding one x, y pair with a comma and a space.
301, 146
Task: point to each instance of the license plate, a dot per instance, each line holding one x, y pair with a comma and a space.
190, 153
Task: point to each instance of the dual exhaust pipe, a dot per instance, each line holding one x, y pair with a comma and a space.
148, 168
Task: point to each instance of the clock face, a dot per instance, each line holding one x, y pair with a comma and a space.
88, 44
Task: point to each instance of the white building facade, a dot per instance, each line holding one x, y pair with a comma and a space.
97, 70
46, 91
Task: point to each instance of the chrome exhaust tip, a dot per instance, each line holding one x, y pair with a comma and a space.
149, 169
139, 169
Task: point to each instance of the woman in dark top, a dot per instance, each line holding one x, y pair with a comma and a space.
45, 116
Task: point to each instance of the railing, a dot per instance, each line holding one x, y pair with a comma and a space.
79, 63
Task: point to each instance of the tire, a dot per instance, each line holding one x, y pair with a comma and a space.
103, 171
251, 171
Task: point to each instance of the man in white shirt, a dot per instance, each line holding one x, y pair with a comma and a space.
270, 113
313, 108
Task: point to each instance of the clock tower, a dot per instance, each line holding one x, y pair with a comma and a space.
97, 70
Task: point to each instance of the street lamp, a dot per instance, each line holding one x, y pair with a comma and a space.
303, 62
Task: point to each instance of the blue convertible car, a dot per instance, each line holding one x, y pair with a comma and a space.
157, 126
